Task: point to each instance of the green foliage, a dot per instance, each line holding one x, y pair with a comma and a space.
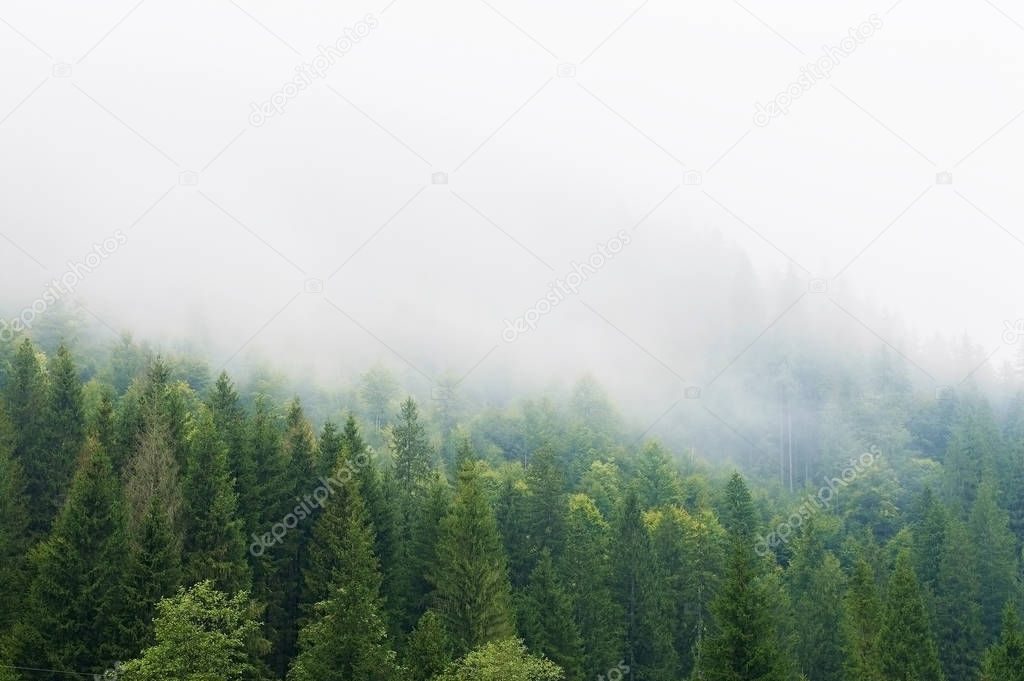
472, 592
907, 648
201, 635
213, 534
505, 660
346, 636
862, 613
546, 619
77, 596
1004, 660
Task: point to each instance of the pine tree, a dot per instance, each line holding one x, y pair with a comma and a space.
65, 427
994, 548
743, 641
472, 588
77, 594
907, 649
347, 635
214, 547
153, 573
299, 451
545, 504
230, 422
25, 395
327, 548
586, 569
427, 652
410, 449
861, 617
546, 619
14, 534
641, 586
816, 587
658, 481
328, 449
958, 630
1004, 660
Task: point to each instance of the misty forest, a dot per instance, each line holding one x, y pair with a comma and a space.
511, 340
161, 522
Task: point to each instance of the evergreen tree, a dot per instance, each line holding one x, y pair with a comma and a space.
427, 652
958, 628
65, 427
995, 556
546, 619
658, 483
153, 573
229, 420
743, 641
328, 449
25, 395
14, 535
586, 568
545, 505
641, 587
861, 617
907, 649
347, 635
410, 448
816, 588
471, 581
214, 546
77, 593
1004, 660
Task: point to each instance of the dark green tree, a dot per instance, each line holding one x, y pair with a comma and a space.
1004, 660
546, 619
77, 594
25, 395
214, 547
743, 640
907, 649
861, 617
472, 592
346, 637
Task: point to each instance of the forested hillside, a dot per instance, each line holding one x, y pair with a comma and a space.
159, 520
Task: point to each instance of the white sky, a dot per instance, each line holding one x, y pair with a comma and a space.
540, 168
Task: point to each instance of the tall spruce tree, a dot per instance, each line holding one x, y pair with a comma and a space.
14, 536
346, 637
586, 569
25, 395
77, 595
907, 649
65, 427
472, 591
958, 630
546, 619
1004, 660
214, 547
861, 616
743, 640
994, 548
